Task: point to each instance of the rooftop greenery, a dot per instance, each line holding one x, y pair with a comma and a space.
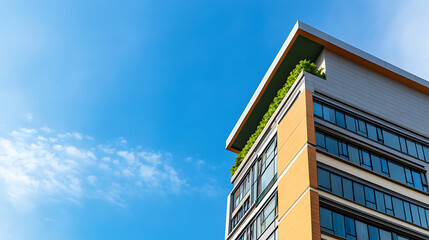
303, 65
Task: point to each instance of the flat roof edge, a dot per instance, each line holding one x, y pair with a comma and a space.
360, 53
298, 29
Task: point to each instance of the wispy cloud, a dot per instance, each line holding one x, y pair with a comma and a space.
40, 164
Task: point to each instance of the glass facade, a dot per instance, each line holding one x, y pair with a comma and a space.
371, 161
373, 198
258, 181
350, 228
264, 219
371, 131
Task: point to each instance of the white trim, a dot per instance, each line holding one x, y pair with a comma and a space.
296, 202
293, 161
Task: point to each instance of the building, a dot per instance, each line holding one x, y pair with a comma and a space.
341, 158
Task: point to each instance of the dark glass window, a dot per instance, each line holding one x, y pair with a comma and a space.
344, 153
422, 215
317, 109
350, 228
391, 140
326, 220
320, 140
385, 235
346, 227
348, 189
362, 127
366, 161
328, 114
388, 204
415, 214
417, 180
411, 146
376, 163
409, 177
359, 193
354, 155
407, 211
324, 179
331, 145
339, 228
398, 208
361, 230
384, 166
397, 172
373, 233
350, 123
426, 153
341, 121
379, 199
403, 144
336, 185
371, 161
380, 134
372, 132
427, 215
369, 197
420, 152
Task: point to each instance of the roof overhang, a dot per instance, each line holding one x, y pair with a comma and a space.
306, 42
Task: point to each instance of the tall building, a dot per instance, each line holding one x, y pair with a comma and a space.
346, 157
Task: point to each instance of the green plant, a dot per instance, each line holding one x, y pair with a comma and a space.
303, 65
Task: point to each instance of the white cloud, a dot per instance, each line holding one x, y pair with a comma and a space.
35, 166
129, 156
46, 129
75, 135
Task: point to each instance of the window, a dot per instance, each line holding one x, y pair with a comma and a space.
350, 123
372, 198
411, 147
372, 161
398, 208
391, 140
267, 216
349, 228
241, 191
332, 145
268, 167
255, 229
397, 172
359, 193
317, 109
362, 128
324, 179
341, 120
328, 114
326, 220
255, 184
372, 131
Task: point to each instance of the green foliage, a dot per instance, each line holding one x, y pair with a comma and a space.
303, 65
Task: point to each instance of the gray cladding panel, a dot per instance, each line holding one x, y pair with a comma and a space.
375, 94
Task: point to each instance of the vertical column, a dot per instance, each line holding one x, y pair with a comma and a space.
297, 170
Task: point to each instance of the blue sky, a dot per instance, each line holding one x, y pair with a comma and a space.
114, 115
